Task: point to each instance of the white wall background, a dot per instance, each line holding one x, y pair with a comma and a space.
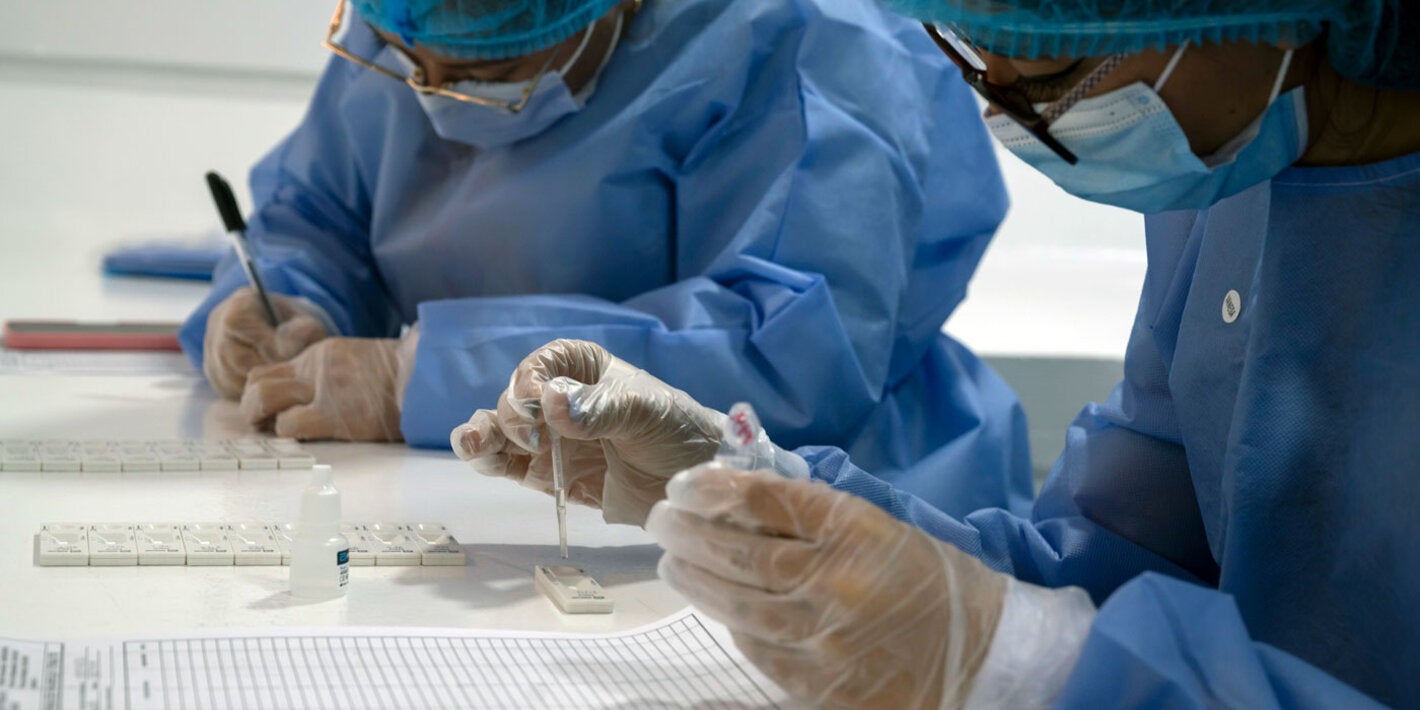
273, 36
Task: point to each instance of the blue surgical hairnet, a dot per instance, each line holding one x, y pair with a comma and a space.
1375, 42
483, 29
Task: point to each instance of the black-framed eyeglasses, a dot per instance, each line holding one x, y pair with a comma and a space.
1011, 101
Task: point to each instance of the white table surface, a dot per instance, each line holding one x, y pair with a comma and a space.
505, 529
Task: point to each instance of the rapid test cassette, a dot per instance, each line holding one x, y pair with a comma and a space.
572, 590
176, 455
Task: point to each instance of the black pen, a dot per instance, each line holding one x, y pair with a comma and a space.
237, 228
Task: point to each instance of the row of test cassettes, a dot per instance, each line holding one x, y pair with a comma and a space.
99, 456
123, 544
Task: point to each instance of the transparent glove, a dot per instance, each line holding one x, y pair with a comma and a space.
624, 433
828, 595
239, 338
339, 388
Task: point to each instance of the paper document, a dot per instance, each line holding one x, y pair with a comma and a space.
93, 362
680, 661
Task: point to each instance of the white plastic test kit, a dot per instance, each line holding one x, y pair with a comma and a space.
63, 545
437, 546
104, 456
112, 545
242, 544
572, 590
207, 544
253, 544
393, 543
285, 535
160, 544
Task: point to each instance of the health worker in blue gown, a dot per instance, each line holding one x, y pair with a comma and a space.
1235, 526
733, 195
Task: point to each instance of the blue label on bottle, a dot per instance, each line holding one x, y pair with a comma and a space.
342, 557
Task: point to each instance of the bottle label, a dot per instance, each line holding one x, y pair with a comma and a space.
342, 559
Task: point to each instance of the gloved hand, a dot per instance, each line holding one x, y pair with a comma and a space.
843, 605
339, 388
239, 338
624, 432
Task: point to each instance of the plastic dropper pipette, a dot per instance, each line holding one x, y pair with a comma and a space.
559, 491
559, 484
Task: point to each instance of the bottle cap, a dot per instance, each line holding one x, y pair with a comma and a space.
320, 502
739, 436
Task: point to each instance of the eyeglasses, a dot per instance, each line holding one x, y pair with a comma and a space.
1010, 100
416, 81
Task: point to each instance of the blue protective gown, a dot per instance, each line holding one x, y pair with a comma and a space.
1244, 504
738, 208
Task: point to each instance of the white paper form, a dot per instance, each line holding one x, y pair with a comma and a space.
681, 661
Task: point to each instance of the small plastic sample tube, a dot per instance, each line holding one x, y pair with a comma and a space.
743, 444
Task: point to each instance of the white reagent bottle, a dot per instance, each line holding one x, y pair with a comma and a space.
320, 554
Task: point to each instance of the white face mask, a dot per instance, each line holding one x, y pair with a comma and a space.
488, 127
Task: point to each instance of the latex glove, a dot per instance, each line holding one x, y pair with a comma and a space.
624, 432
339, 388
838, 602
239, 338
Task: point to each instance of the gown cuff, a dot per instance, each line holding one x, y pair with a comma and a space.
1037, 640
315, 311
408, 345
789, 464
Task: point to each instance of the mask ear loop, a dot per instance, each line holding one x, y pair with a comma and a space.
1168, 69
586, 39
611, 48
591, 85
1281, 77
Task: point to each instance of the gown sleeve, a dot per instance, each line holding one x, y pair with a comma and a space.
310, 225
1118, 516
1161, 642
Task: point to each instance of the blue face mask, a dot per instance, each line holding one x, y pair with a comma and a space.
1133, 154
489, 127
